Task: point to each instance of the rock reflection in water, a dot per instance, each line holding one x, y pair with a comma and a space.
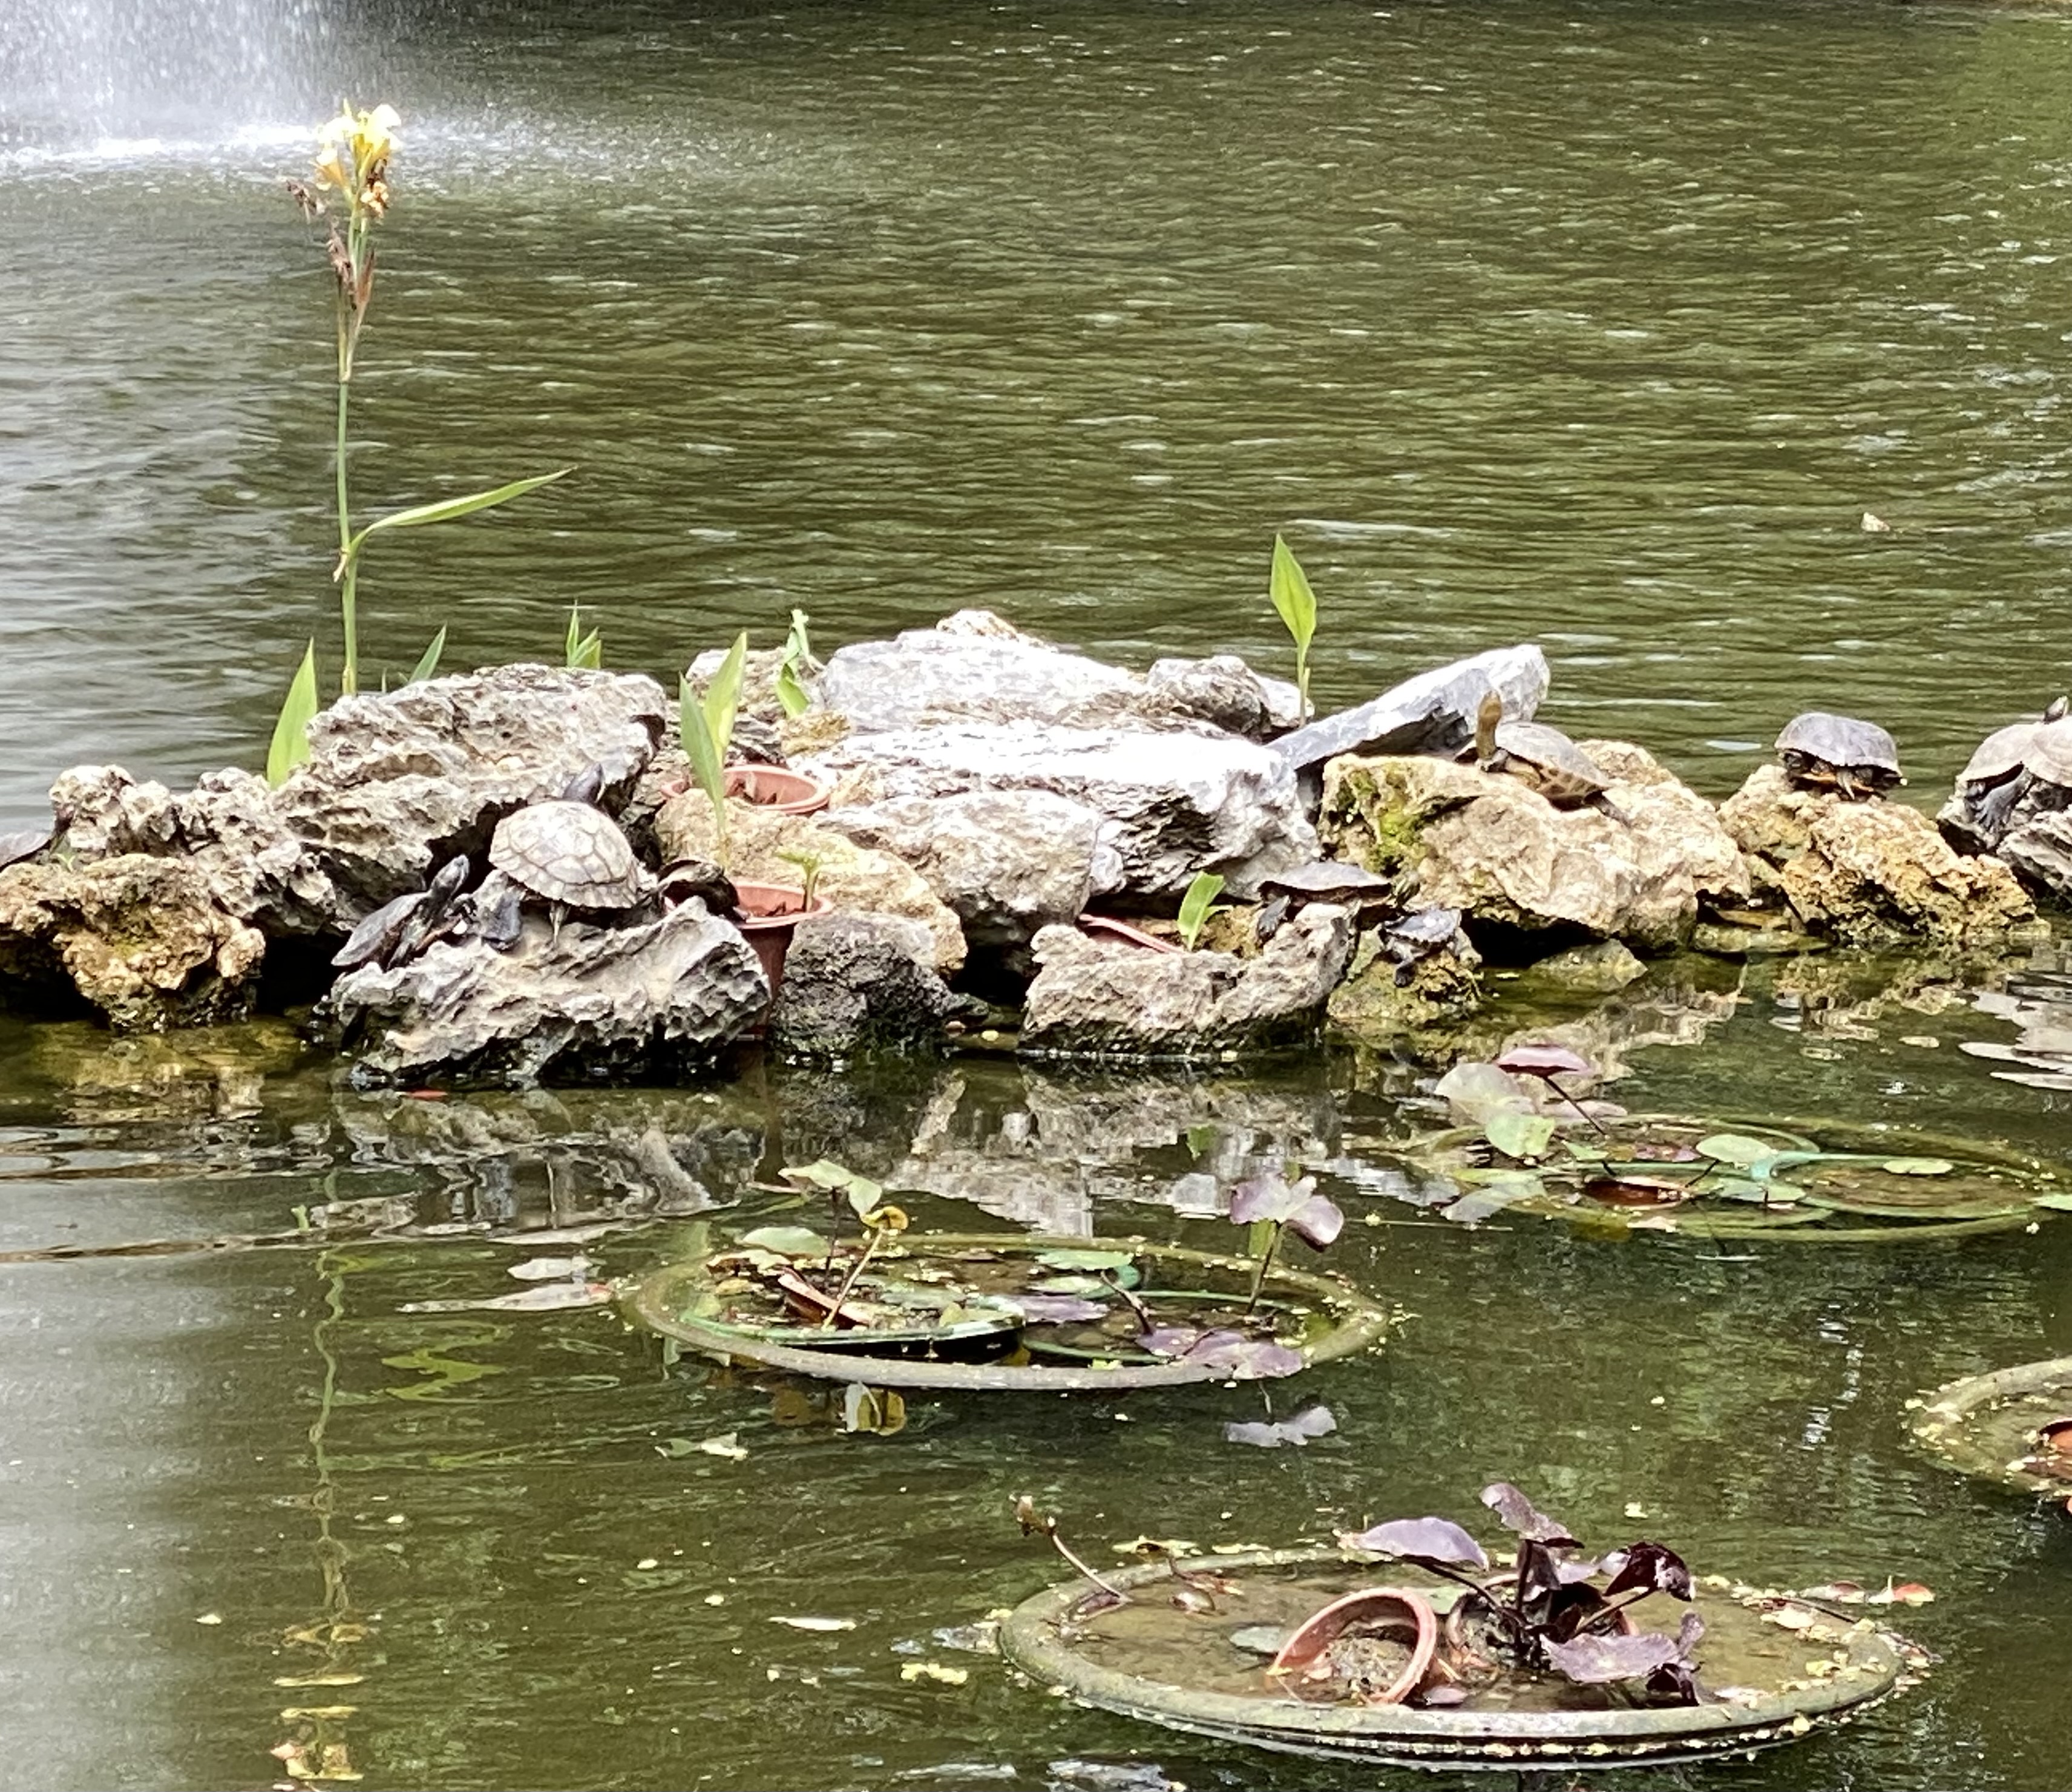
2036, 997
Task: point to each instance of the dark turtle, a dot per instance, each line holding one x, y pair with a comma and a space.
1541, 757
397, 931
1321, 881
1824, 752
27, 844
682, 879
569, 856
498, 912
1423, 934
1998, 773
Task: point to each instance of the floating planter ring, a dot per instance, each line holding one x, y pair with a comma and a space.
1987, 1425
1359, 1323
1046, 1637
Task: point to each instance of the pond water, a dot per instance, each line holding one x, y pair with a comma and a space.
1600, 324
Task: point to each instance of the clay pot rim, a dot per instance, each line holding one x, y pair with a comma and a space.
813, 795
750, 922
1316, 1632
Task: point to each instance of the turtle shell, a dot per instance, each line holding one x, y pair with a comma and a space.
569, 853
1329, 880
1828, 740
2000, 755
1548, 760
2048, 756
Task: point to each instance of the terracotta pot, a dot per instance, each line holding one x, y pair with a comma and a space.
774, 788
1106, 926
1393, 1609
769, 915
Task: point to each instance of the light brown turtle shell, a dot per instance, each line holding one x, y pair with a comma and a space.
569, 853
1546, 760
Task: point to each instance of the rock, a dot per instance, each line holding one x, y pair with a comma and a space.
1432, 713
1458, 836
1221, 691
1007, 862
1099, 1000
140, 938
1871, 873
1600, 969
1372, 1003
858, 983
395, 785
972, 666
1178, 804
648, 998
856, 879
2040, 850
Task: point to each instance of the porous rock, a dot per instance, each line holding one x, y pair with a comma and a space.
858, 983
1179, 803
140, 938
1221, 691
2040, 849
1458, 836
856, 879
1867, 873
971, 666
1431, 713
657, 996
1095, 998
395, 785
1007, 862
1371, 1003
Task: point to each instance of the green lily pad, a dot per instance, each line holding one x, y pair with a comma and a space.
1736, 1148
1085, 1260
1524, 1137
786, 1241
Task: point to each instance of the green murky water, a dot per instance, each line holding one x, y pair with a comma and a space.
1599, 324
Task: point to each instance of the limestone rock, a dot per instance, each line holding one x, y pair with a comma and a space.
1602, 969
1432, 713
2040, 850
652, 998
1007, 862
1179, 802
1870, 872
1379, 999
1221, 691
1095, 999
972, 666
856, 879
859, 982
1456, 836
140, 938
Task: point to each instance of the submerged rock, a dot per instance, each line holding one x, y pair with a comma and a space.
856, 983
1177, 802
1098, 998
652, 998
1456, 836
1385, 994
1432, 713
142, 938
1867, 873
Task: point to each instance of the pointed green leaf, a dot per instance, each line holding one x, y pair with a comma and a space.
699, 747
1293, 601
428, 662
723, 694
1194, 905
791, 690
444, 510
291, 732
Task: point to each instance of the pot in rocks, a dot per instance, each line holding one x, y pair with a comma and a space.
774, 787
769, 914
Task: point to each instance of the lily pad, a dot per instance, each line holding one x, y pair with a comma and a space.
1523, 1137
786, 1241
1736, 1148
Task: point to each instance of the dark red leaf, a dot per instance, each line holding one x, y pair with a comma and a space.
1594, 1660
1318, 1221
1649, 1565
1269, 1195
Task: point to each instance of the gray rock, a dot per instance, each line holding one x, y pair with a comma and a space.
961, 671
1007, 862
1095, 999
1602, 969
395, 785
654, 997
2040, 849
858, 983
1384, 996
1432, 713
1221, 691
1178, 804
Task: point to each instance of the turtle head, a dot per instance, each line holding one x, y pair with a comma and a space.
452, 878
1487, 718
586, 786
2058, 708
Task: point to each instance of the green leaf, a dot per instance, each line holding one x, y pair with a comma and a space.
1194, 905
1735, 1149
798, 649
1293, 601
823, 1173
2059, 1200
1085, 1260
581, 652
445, 510
695, 736
1918, 1166
723, 694
1524, 1137
291, 733
428, 662
786, 1241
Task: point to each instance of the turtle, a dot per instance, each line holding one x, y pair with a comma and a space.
568, 854
1422, 933
397, 931
1998, 773
1352, 886
1542, 759
681, 879
27, 844
1823, 752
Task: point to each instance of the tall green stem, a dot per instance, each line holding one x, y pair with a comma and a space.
348, 561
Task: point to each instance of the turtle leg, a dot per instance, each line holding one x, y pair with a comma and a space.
1992, 811
558, 912
1604, 805
1847, 785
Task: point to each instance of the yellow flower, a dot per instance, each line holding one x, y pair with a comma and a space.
353, 150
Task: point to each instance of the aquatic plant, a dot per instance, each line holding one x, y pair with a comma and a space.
1548, 1611
809, 864
290, 745
1296, 605
1205, 888
705, 728
351, 168
797, 651
881, 1219
1270, 1201
580, 651
1045, 1524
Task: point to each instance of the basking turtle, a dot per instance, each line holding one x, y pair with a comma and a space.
1350, 886
1423, 934
14, 847
681, 879
397, 931
1541, 758
1999, 773
1824, 752
567, 854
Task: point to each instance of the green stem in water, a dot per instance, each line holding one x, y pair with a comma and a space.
1265, 1263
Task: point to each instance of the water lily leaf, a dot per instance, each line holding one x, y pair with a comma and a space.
1735, 1148
1475, 1091
1524, 1137
1651, 1565
548, 1269
1315, 1421
1229, 1354
1318, 1221
1057, 1309
2059, 1199
1918, 1166
1519, 1513
1085, 1260
1269, 1196
817, 1623
1495, 1193
786, 1241
1426, 1539
1545, 1061
1594, 1660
